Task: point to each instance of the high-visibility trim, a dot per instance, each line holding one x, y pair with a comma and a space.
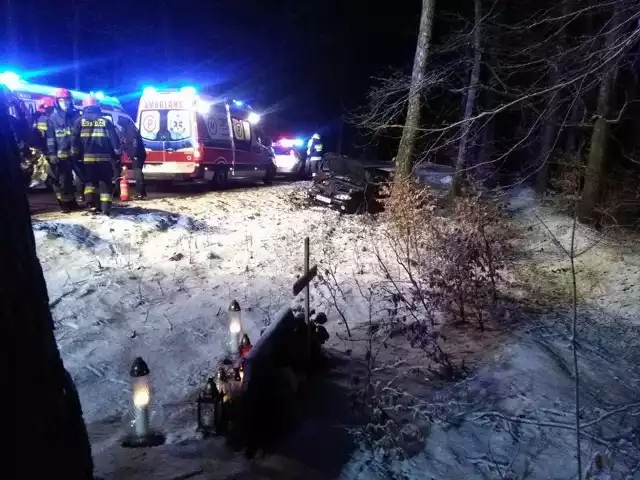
89, 190
63, 155
92, 134
96, 159
106, 197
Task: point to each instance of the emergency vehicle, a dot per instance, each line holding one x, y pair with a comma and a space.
191, 136
31, 94
289, 159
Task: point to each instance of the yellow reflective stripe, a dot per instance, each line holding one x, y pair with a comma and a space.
63, 155
88, 159
89, 190
64, 197
92, 134
106, 197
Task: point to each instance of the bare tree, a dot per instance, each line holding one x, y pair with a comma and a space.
600, 135
404, 160
471, 96
43, 419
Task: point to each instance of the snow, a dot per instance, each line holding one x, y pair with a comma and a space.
156, 279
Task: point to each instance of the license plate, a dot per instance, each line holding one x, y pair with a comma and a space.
322, 198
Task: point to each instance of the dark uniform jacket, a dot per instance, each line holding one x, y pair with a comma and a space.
59, 135
132, 143
95, 138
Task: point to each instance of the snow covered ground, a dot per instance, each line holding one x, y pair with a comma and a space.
155, 281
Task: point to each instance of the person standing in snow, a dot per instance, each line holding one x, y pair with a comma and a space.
314, 154
97, 143
133, 146
60, 153
39, 170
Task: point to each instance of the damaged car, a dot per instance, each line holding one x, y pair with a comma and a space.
354, 185
351, 185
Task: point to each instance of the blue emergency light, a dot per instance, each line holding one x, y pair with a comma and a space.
11, 79
148, 90
188, 90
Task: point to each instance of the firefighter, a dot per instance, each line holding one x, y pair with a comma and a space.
314, 154
40, 166
98, 145
18, 121
60, 150
133, 146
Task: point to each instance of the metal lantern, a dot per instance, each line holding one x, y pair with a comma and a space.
235, 326
245, 345
142, 435
221, 381
207, 408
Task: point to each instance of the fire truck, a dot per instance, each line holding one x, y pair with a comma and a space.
197, 137
31, 94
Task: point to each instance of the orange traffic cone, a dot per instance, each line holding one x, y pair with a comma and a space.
124, 186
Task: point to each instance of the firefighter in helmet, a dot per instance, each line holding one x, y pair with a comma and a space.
314, 154
60, 152
18, 120
39, 170
98, 145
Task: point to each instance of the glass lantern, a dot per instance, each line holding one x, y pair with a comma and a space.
208, 408
142, 434
235, 326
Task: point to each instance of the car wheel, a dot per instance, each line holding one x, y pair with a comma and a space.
219, 179
270, 175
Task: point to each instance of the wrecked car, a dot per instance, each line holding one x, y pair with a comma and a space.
350, 185
356, 186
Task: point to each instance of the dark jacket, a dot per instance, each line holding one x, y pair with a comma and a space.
95, 138
40, 130
60, 135
132, 143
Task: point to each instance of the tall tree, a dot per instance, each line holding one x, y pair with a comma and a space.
43, 418
600, 136
470, 101
404, 160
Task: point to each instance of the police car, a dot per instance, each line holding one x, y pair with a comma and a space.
289, 159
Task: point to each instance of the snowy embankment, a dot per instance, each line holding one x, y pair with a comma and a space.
156, 280
514, 416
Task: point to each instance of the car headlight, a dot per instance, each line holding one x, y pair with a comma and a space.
343, 196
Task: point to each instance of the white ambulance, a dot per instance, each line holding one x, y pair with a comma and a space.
191, 136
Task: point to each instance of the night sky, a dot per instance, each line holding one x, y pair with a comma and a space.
303, 62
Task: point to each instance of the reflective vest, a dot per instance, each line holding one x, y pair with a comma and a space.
95, 138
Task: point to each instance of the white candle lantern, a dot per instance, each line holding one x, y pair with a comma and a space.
235, 326
142, 435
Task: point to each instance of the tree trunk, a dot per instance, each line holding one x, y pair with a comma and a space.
470, 100
548, 136
404, 160
600, 136
42, 421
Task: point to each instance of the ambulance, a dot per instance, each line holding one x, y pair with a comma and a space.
192, 136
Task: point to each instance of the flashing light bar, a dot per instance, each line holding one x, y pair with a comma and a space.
253, 118
290, 142
11, 79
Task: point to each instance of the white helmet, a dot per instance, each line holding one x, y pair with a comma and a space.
316, 136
